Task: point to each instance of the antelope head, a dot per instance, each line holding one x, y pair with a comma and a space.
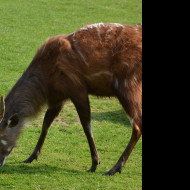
6, 125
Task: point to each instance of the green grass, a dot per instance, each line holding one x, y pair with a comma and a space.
24, 26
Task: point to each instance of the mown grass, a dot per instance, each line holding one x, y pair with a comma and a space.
24, 26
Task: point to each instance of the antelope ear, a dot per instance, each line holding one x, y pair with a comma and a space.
2, 108
13, 121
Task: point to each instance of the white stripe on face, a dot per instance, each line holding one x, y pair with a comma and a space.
4, 142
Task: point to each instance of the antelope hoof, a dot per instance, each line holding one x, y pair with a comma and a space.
94, 166
92, 169
114, 170
30, 159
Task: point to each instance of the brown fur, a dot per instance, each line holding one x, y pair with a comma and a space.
100, 59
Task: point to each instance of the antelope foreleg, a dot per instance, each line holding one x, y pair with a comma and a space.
48, 119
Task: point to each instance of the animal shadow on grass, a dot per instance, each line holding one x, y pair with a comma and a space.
42, 169
117, 117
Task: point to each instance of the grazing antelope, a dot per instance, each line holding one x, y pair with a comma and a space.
102, 59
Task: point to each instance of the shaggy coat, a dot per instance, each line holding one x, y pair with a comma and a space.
102, 59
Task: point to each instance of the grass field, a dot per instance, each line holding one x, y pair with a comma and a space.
24, 26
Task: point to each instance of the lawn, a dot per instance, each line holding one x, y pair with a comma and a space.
24, 26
